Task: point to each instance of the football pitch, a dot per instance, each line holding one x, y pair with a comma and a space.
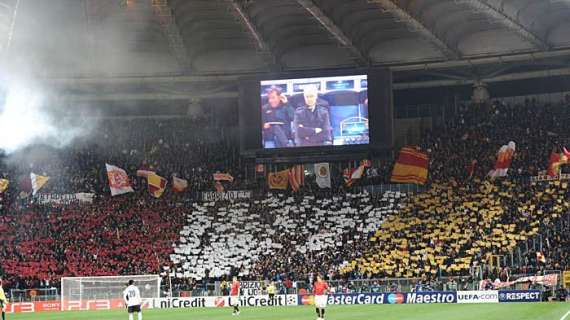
507, 311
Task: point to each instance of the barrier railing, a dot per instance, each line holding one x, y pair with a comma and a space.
386, 285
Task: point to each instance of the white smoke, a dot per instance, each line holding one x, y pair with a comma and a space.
25, 119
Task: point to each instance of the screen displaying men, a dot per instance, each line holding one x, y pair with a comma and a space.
314, 112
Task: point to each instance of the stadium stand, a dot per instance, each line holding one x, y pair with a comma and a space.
460, 223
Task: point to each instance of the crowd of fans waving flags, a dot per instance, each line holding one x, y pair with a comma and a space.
411, 166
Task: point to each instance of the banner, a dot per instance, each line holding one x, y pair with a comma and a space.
221, 302
223, 177
4, 185
226, 196
156, 185
179, 185
118, 180
347, 299
563, 176
427, 297
323, 173
504, 158
250, 288
519, 296
284, 300
431, 297
278, 180
491, 296
297, 177
37, 182
64, 198
411, 166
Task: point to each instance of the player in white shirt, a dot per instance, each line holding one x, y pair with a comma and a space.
133, 301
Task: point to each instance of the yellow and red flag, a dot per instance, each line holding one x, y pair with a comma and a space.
156, 185
297, 177
411, 167
278, 180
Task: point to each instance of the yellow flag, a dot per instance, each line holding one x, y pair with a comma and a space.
4, 185
37, 182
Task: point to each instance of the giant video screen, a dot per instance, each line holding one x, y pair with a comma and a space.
309, 112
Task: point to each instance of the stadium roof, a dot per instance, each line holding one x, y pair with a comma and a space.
153, 50
153, 37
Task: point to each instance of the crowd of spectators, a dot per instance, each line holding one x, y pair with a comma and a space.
279, 236
126, 235
460, 223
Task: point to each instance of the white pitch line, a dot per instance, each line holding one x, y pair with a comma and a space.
564, 316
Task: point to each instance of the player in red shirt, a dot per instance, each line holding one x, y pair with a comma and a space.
320, 291
234, 296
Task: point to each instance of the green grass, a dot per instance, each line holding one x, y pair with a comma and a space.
518, 311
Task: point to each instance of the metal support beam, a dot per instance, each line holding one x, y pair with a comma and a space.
164, 13
145, 96
231, 93
334, 30
494, 10
9, 27
418, 25
261, 44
